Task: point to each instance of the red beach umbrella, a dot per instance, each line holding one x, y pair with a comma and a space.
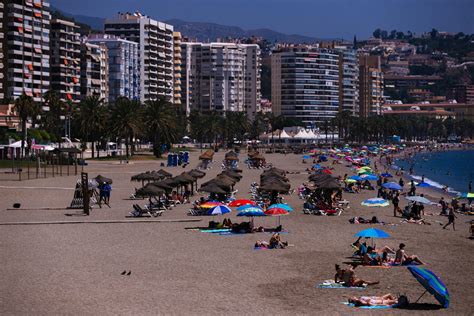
327, 171
276, 212
240, 202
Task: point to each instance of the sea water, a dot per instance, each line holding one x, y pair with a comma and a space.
451, 168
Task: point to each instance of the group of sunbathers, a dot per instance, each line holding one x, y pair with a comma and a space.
372, 256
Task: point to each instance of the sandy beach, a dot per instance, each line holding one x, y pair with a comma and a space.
76, 268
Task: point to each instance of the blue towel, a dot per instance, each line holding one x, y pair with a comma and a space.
333, 285
371, 307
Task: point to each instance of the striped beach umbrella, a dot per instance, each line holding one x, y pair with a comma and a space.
432, 284
286, 207
241, 202
219, 210
375, 202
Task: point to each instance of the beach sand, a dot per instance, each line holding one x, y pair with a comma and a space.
76, 268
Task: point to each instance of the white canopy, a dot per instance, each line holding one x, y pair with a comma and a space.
284, 135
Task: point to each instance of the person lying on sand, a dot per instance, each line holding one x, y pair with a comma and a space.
416, 221
402, 258
274, 243
385, 300
376, 257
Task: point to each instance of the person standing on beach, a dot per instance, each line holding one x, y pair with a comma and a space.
396, 201
412, 189
444, 206
401, 182
451, 218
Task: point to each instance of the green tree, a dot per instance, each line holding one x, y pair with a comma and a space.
26, 108
91, 119
125, 119
161, 124
52, 121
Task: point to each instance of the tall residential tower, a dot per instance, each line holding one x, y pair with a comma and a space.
220, 77
155, 40
370, 86
26, 26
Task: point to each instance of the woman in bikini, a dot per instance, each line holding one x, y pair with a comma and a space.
386, 300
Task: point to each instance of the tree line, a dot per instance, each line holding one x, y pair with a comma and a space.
163, 124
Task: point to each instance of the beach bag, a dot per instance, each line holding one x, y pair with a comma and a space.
403, 301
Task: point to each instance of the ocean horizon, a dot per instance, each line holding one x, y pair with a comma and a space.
452, 168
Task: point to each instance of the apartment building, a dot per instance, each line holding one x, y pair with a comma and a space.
371, 86
65, 60
305, 83
348, 80
2, 65
220, 77
94, 71
155, 40
26, 27
123, 72
177, 69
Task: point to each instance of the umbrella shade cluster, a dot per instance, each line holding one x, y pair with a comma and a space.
324, 181
255, 155
222, 183
150, 190
148, 176
102, 179
207, 155
274, 180
232, 156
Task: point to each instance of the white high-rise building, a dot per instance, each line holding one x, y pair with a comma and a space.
124, 76
94, 71
220, 77
155, 40
26, 51
2, 66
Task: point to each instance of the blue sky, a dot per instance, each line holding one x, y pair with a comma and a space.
319, 18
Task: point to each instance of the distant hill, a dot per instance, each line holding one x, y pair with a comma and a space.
203, 31
94, 22
211, 31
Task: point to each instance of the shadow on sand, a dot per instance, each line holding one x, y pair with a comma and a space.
423, 307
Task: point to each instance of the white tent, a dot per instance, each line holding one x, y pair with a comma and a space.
284, 135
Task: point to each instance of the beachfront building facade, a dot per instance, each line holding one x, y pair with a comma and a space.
2, 66
65, 60
94, 71
155, 46
220, 77
305, 83
26, 51
348, 80
371, 86
123, 66
177, 69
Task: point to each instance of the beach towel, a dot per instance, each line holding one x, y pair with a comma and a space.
331, 284
371, 307
214, 231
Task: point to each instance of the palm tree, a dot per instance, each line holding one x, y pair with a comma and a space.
52, 119
125, 117
92, 119
25, 107
161, 123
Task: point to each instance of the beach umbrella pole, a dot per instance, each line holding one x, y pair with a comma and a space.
421, 296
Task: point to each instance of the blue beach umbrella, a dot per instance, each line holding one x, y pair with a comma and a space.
386, 175
419, 199
432, 284
375, 202
372, 233
251, 212
249, 206
286, 207
357, 178
392, 186
317, 166
423, 185
306, 157
370, 177
219, 210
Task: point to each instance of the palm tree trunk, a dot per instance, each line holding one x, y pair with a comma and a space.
126, 147
93, 149
23, 137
